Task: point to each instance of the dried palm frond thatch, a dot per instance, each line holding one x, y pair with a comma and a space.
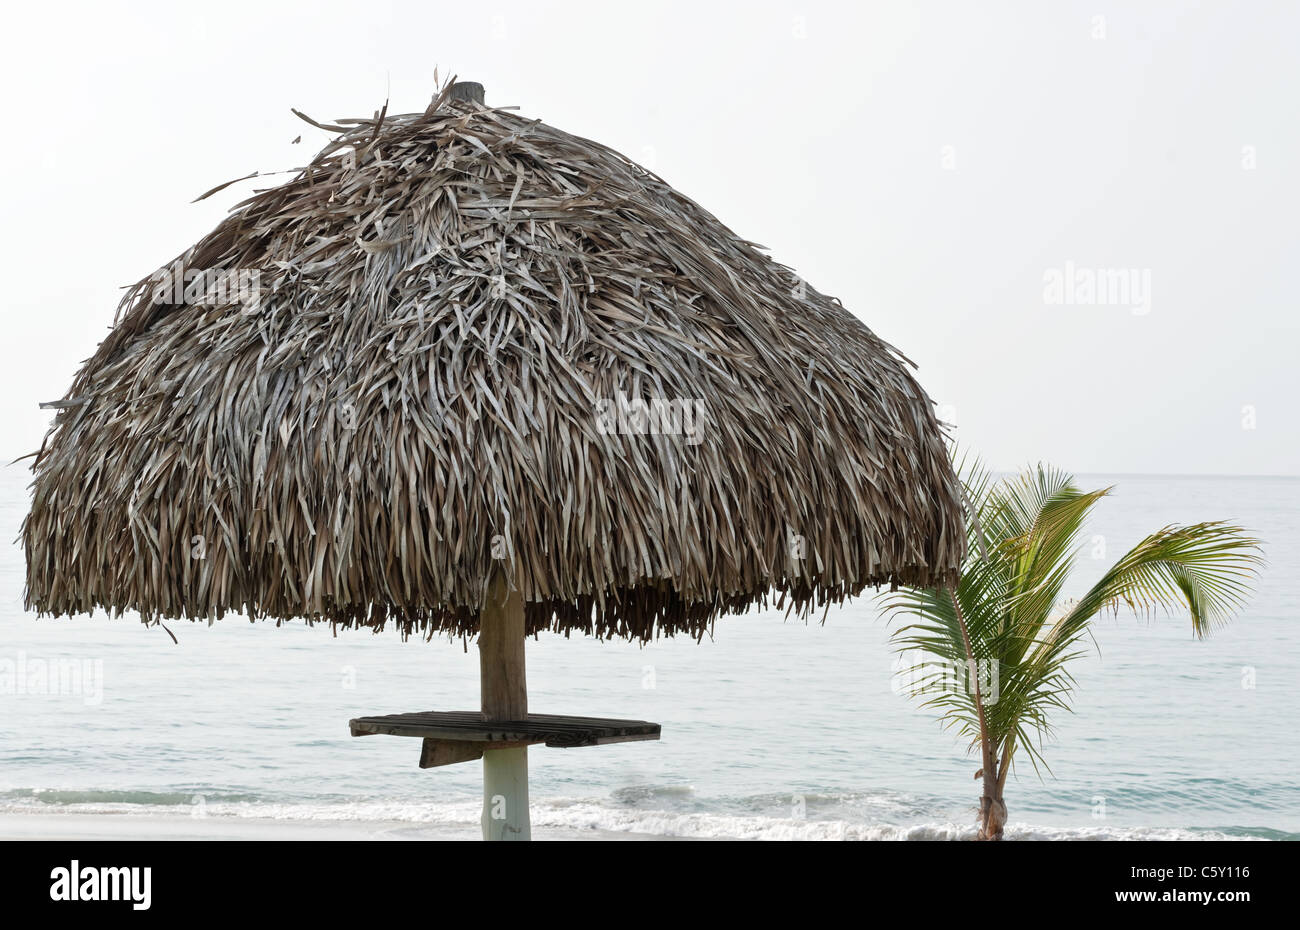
433, 366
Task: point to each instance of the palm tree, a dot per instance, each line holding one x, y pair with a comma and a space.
996, 650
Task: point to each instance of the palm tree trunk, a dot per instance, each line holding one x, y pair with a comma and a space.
993, 812
993, 809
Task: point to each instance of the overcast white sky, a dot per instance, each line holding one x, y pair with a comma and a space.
927, 163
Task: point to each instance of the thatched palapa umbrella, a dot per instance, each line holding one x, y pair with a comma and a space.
468, 374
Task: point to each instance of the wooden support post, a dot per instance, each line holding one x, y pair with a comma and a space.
467, 90
504, 697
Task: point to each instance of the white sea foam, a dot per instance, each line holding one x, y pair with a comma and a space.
586, 816
591, 816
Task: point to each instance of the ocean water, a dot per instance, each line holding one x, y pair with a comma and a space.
772, 729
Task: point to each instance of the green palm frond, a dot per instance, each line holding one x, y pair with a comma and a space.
1206, 568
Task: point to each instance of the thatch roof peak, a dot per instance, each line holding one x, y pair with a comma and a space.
463, 340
